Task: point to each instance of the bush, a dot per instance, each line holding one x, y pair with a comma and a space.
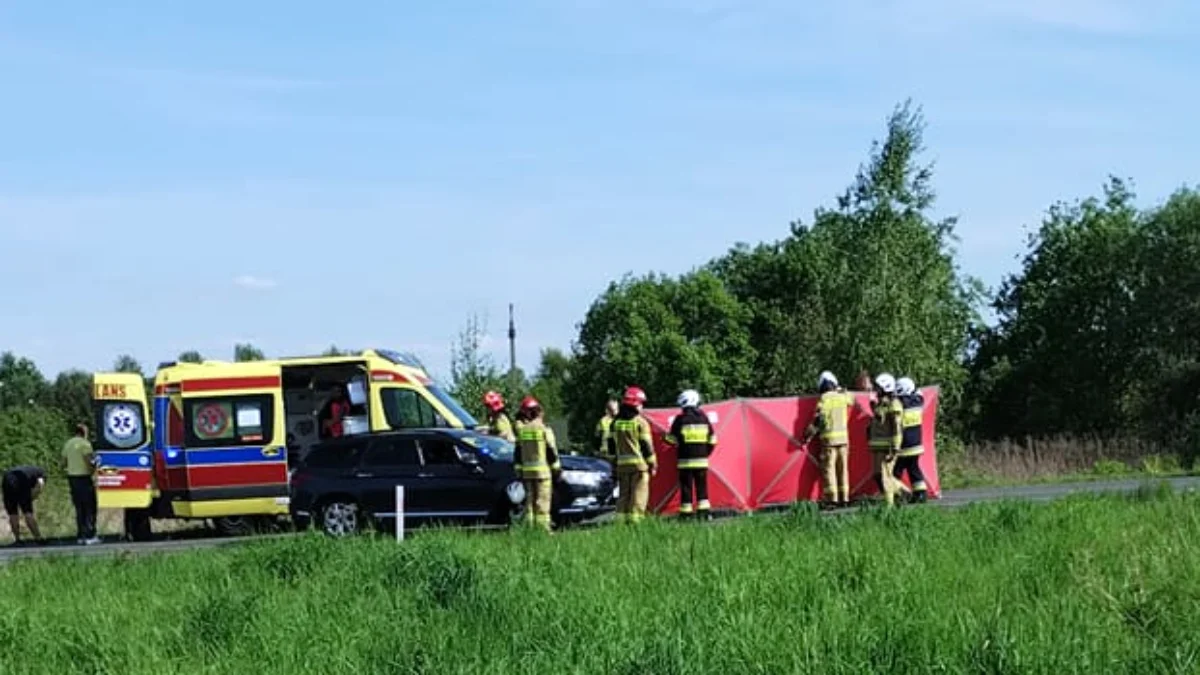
32, 435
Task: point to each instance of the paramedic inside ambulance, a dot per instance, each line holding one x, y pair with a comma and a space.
334, 412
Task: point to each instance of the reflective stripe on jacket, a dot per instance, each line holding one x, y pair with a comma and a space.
693, 435
833, 414
913, 425
629, 438
537, 454
884, 433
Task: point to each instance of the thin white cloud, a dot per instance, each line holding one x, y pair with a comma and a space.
254, 283
174, 77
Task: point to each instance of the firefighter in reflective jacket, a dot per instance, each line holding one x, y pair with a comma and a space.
602, 429
536, 462
832, 421
694, 439
908, 460
498, 422
884, 435
630, 440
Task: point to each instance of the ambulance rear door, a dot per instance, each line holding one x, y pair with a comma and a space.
122, 441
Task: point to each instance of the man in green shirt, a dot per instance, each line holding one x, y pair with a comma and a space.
77, 460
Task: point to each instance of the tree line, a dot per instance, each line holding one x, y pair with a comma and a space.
1096, 333
37, 414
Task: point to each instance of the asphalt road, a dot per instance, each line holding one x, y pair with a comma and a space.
949, 499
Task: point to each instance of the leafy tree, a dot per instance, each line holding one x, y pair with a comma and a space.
1164, 377
1068, 327
71, 395
127, 364
190, 356
334, 351
246, 352
550, 380
21, 383
473, 372
872, 283
663, 335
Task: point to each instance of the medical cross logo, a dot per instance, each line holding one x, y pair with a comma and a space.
122, 425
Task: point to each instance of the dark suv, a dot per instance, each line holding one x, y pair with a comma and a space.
449, 476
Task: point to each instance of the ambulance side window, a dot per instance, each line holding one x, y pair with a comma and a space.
228, 421
407, 409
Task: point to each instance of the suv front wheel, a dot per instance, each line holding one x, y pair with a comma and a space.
341, 518
511, 506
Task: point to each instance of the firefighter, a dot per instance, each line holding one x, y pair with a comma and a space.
602, 429
536, 462
630, 440
832, 421
694, 439
908, 459
884, 434
499, 423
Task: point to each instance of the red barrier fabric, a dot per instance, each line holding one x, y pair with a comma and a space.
760, 459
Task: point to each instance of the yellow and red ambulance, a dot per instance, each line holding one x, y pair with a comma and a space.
215, 440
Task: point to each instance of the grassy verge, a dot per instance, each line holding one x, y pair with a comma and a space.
1090, 584
56, 517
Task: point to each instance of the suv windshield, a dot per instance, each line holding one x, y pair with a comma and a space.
448, 401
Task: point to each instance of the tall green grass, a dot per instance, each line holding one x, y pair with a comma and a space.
1087, 585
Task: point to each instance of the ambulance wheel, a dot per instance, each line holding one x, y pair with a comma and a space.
137, 525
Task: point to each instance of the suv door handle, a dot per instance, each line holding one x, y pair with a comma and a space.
424, 475
360, 474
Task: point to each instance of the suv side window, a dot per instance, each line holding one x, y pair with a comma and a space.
392, 453
334, 456
440, 451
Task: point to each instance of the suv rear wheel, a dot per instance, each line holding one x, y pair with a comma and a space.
341, 518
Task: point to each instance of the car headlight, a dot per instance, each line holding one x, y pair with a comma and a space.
591, 479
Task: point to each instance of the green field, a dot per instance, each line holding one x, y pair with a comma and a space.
1089, 585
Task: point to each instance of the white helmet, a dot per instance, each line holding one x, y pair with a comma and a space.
886, 383
827, 377
905, 386
689, 399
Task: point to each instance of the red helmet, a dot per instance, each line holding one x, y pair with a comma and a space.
530, 403
493, 401
634, 396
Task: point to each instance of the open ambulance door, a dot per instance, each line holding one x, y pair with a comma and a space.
122, 445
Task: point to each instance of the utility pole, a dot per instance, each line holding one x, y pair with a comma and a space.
512, 343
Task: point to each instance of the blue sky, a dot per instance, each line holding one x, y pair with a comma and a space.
296, 175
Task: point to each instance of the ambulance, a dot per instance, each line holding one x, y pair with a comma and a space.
217, 440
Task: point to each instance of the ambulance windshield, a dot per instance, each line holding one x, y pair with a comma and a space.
453, 406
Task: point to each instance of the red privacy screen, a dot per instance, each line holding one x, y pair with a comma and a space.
760, 459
